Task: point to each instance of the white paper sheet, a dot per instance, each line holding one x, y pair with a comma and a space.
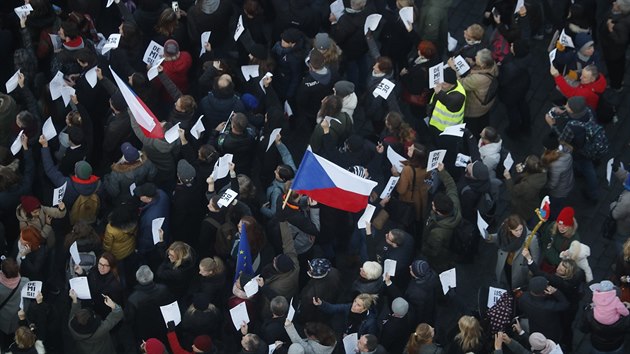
23, 11
436, 75
565, 40
389, 267
56, 41
239, 315
205, 36
227, 198
66, 94
350, 343
455, 130
30, 289
287, 109
272, 348
132, 187
448, 279
16, 146
519, 4
508, 162
260, 83
406, 15
112, 42
171, 312
239, 28
435, 158
272, 137
462, 160
330, 119
91, 77
198, 128
172, 134
81, 287
74, 252
395, 159
494, 294
366, 217
12, 83
609, 170
384, 88
552, 55
222, 167
371, 23
337, 9
452, 42
154, 71
482, 225
291, 312
250, 71
153, 53
59, 193
251, 288
156, 225
48, 129
461, 66
389, 187
55, 85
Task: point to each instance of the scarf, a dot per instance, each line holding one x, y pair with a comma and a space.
509, 243
354, 321
420, 60
10, 283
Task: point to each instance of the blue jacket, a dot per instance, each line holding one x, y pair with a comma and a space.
159, 207
369, 324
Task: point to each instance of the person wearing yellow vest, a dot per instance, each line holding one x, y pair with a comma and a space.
446, 107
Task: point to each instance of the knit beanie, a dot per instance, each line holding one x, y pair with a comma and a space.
480, 171
450, 77
344, 88
30, 203
284, 263
583, 41
322, 41
537, 285
203, 343
185, 171
577, 104
319, 267
129, 152
154, 346
74, 44
540, 343
400, 307
82, 170
565, 217
420, 268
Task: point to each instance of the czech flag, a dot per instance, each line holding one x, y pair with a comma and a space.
331, 185
150, 125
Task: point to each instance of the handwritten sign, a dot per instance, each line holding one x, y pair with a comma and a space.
153, 53
112, 42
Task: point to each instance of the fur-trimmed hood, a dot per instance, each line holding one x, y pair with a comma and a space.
123, 166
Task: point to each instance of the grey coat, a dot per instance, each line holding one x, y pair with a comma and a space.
100, 341
310, 346
560, 180
520, 271
621, 213
8, 313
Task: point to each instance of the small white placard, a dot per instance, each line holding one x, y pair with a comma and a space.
30, 289
287, 109
55, 85
350, 343
198, 128
389, 187
81, 287
395, 159
132, 187
222, 167
519, 4
494, 294
204, 39
91, 77
48, 129
153, 53
250, 71
435, 158
389, 267
272, 137
12, 83
461, 66
366, 217
552, 55
239, 28
227, 198
565, 40
261, 84
448, 278
251, 288
462, 160
436, 75
171, 312
74, 252
482, 225
66, 94
291, 312
338, 9
239, 315
609, 170
452, 42
406, 15
59, 193
156, 225
23, 11
371, 23
112, 42
17, 143
508, 162
172, 134
455, 130
384, 88
154, 71
55, 40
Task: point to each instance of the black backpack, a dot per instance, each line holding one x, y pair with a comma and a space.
493, 89
463, 241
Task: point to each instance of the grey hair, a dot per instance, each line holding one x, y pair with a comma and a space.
593, 70
144, 275
357, 4
485, 57
279, 306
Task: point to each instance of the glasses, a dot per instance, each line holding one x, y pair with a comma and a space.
103, 265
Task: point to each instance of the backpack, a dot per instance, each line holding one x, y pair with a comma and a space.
493, 89
86, 207
596, 144
463, 241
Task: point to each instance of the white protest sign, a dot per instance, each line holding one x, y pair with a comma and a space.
239, 28
609, 170
389, 267
272, 137
81, 287
455, 130
56, 41
461, 66
250, 71
272, 348
198, 128
153, 53
112, 43
17, 143
58, 194
30, 289
406, 15
435, 158
337, 9
366, 217
261, 82
436, 75
239, 315
227, 198
389, 187
482, 225
462, 160
66, 94
205, 36
448, 279
222, 167
154, 71
109, 3
287, 109
452, 42
12, 83
350, 343
132, 187
55, 85
384, 88
171, 312
156, 225
251, 288
23, 11
552, 55
91, 77
519, 4
74, 253
395, 159
565, 40
494, 294
291, 312
371, 23
172, 134
508, 162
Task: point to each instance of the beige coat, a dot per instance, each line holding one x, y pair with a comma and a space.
416, 195
39, 221
476, 84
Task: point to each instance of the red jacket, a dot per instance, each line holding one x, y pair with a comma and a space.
174, 343
177, 70
590, 92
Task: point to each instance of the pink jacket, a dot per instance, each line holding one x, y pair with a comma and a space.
608, 308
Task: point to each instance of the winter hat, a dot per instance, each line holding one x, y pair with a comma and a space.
565, 217
185, 171
30, 203
171, 47
358, 170
90, 326
284, 263
550, 142
249, 101
420, 269
400, 307
82, 170
540, 343
145, 190
450, 77
296, 348
537, 285
130, 153
291, 35
322, 41
75, 134
118, 101
603, 286
203, 343
319, 268
344, 88
583, 41
74, 44
372, 270
480, 171
154, 346
258, 51
208, 6
577, 104
201, 301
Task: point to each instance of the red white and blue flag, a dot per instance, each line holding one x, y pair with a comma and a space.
150, 125
331, 185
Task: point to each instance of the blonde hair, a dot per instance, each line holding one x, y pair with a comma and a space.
181, 251
212, 264
469, 333
423, 335
367, 299
25, 338
626, 250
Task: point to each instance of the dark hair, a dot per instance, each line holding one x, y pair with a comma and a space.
255, 235
75, 134
252, 8
398, 236
371, 342
124, 216
85, 55
10, 268
113, 263
83, 316
70, 29
331, 106
208, 152
166, 23
385, 65
285, 172
239, 122
131, 36
279, 306
491, 134
443, 204
324, 334
418, 157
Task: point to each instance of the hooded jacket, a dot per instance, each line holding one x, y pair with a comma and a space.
608, 308
121, 242
310, 346
314, 87
100, 341
560, 178
125, 173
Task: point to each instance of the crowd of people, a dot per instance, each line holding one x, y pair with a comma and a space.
127, 124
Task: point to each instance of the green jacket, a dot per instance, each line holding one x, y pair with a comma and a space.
553, 244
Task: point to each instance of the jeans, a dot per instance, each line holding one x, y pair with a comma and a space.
586, 168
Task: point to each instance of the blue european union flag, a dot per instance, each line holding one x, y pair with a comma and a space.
244, 256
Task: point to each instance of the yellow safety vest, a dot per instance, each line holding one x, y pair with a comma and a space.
441, 118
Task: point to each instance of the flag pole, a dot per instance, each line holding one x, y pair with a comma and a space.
541, 221
286, 198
